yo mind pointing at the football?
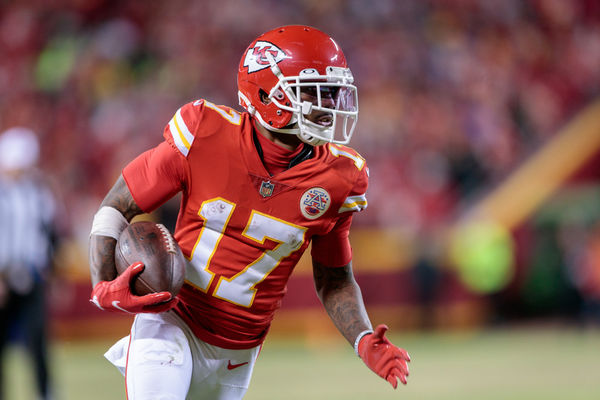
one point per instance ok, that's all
(153, 245)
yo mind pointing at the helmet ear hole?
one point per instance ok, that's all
(264, 97)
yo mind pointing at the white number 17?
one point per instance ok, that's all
(241, 288)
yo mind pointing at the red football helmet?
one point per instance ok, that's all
(283, 63)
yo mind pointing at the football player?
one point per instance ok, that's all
(257, 187)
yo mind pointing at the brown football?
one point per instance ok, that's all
(153, 245)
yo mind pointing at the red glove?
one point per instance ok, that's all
(383, 358)
(116, 295)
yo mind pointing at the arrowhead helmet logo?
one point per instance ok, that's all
(256, 56)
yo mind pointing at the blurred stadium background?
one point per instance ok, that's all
(480, 123)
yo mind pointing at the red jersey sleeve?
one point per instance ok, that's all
(158, 174)
(155, 176)
(356, 199)
(333, 249)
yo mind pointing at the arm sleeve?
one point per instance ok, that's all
(156, 175)
(356, 200)
(333, 249)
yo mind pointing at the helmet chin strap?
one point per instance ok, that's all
(311, 139)
(305, 134)
(292, 129)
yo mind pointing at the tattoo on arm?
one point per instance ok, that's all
(102, 248)
(102, 259)
(342, 299)
(120, 197)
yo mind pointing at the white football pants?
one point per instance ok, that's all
(163, 360)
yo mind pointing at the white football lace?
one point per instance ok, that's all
(169, 241)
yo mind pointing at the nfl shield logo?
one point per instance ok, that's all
(266, 189)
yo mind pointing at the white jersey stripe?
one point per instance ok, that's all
(183, 129)
(359, 162)
(354, 203)
(177, 138)
(182, 136)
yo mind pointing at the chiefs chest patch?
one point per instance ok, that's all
(314, 202)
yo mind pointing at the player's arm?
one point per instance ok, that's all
(110, 292)
(337, 288)
(341, 296)
(147, 182)
(334, 280)
(102, 247)
(338, 291)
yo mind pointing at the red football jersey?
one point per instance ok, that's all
(242, 229)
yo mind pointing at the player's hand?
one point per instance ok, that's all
(383, 358)
(116, 295)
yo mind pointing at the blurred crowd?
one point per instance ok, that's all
(453, 94)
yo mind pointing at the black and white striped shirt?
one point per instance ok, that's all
(27, 210)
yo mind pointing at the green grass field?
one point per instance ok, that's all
(523, 363)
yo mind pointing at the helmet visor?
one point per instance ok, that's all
(327, 96)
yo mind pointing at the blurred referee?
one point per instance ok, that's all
(27, 211)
